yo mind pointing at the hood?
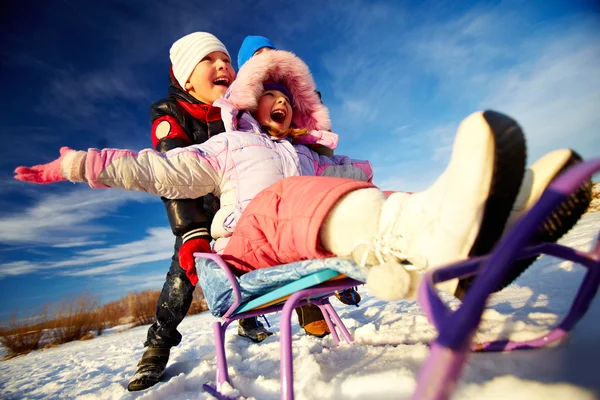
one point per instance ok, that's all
(288, 69)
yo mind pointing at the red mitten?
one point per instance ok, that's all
(186, 256)
(44, 173)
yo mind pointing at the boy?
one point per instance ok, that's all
(251, 46)
(201, 72)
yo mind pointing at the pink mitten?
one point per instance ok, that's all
(44, 173)
(324, 138)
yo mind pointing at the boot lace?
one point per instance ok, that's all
(386, 247)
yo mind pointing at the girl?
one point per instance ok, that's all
(325, 206)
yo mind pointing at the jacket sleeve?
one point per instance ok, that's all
(182, 173)
(189, 218)
(337, 166)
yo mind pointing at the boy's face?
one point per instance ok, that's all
(261, 50)
(274, 110)
(211, 77)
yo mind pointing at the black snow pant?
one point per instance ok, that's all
(173, 303)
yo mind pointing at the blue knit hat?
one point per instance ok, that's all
(250, 45)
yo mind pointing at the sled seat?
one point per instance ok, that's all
(269, 290)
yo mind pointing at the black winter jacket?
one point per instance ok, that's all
(180, 120)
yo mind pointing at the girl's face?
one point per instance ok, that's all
(211, 77)
(274, 110)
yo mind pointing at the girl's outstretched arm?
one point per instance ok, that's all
(185, 173)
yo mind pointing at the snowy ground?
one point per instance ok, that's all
(391, 345)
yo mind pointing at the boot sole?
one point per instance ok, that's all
(561, 221)
(556, 225)
(508, 172)
(142, 384)
(153, 356)
(259, 338)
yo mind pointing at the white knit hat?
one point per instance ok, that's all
(188, 51)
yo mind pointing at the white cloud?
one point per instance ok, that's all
(123, 263)
(137, 282)
(68, 245)
(549, 80)
(62, 218)
(557, 99)
(17, 268)
(545, 75)
(80, 96)
(156, 246)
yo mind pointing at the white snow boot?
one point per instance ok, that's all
(537, 178)
(462, 214)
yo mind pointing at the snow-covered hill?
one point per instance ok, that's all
(391, 345)
(595, 204)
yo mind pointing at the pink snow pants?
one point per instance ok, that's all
(282, 223)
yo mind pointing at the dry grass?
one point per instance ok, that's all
(82, 318)
(23, 336)
(114, 313)
(142, 306)
(75, 320)
(198, 303)
(595, 204)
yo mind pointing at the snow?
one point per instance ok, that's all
(390, 347)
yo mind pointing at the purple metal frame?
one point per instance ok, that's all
(317, 295)
(448, 354)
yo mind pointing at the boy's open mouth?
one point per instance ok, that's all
(278, 116)
(221, 81)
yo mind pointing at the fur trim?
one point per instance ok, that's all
(391, 282)
(288, 69)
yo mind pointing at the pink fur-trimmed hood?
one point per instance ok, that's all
(288, 69)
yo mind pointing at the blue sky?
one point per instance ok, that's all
(398, 77)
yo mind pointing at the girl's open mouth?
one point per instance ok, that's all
(278, 116)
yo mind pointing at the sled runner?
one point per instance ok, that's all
(285, 287)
